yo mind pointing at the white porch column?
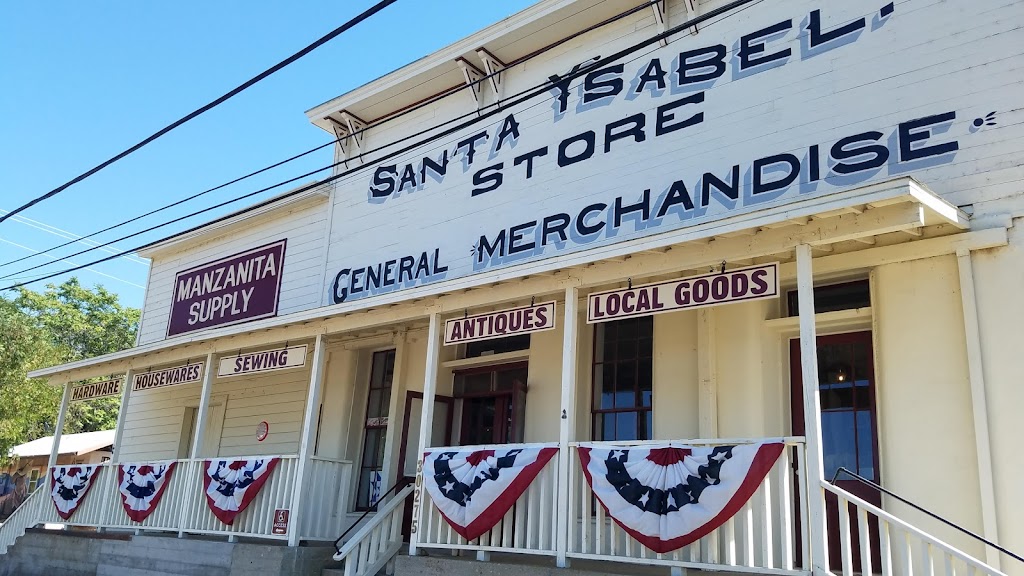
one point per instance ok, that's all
(59, 429)
(567, 424)
(309, 423)
(392, 434)
(121, 414)
(204, 405)
(426, 421)
(815, 471)
(976, 375)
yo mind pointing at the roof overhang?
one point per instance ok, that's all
(900, 207)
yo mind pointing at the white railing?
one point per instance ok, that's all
(183, 508)
(378, 541)
(23, 518)
(529, 527)
(759, 538)
(903, 549)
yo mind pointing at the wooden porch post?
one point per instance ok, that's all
(309, 423)
(567, 424)
(979, 404)
(204, 406)
(59, 429)
(426, 421)
(119, 430)
(814, 470)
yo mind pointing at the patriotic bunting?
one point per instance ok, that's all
(230, 484)
(474, 489)
(69, 486)
(141, 487)
(672, 495)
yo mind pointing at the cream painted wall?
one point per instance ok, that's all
(739, 330)
(926, 435)
(675, 375)
(544, 395)
(999, 277)
(153, 424)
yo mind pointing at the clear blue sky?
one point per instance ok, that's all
(82, 81)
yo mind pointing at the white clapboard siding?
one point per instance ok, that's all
(153, 425)
(303, 227)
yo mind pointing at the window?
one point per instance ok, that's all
(623, 379)
(497, 346)
(382, 372)
(493, 403)
(845, 296)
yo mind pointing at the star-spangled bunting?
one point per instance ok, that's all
(473, 489)
(231, 484)
(672, 495)
(69, 485)
(142, 486)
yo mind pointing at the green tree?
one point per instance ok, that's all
(64, 323)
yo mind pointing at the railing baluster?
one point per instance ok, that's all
(947, 564)
(598, 528)
(730, 542)
(767, 555)
(927, 566)
(864, 530)
(748, 534)
(908, 557)
(885, 548)
(785, 510)
(844, 536)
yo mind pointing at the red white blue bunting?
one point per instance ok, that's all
(69, 486)
(142, 486)
(230, 484)
(473, 489)
(672, 495)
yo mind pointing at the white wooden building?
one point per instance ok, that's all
(869, 156)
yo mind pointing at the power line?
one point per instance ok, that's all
(238, 90)
(478, 116)
(387, 119)
(71, 236)
(85, 267)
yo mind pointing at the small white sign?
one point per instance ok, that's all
(168, 377)
(741, 285)
(499, 324)
(96, 390)
(265, 361)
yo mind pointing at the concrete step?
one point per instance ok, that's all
(441, 563)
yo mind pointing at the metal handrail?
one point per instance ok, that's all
(949, 523)
(366, 513)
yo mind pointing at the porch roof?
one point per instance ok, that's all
(876, 216)
(76, 444)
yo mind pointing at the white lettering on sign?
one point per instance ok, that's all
(754, 283)
(168, 377)
(96, 390)
(499, 324)
(265, 361)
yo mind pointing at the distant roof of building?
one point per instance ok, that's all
(76, 444)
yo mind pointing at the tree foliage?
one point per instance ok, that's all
(64, 323)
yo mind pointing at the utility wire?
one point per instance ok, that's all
(429, 101)
(71, 236)
(238, 90)
(478, 116)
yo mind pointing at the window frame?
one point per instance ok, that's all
(367, 428)
(637, 408)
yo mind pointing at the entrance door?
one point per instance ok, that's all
(493, 404)
(407, 457)
(849, 427)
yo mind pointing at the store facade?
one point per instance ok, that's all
(782, 227)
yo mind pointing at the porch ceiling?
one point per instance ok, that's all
(877, 220)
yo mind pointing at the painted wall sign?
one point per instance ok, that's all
(536, 318)
(265, 361)
(168, 377)
(235, 289)
(96, 390)
(666, 139)
(741, 285)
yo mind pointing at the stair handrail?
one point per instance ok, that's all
(367, 528)
(31, 505)
(372, 508)
(978, 537)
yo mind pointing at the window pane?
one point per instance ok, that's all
(646, 348)
(599, 339)
(373, 407)
(511, 379)
(370, 447)
(629, 329)
(865, 449)
(625, 385)
(497, 346)
(604, 386)
(625, 426)
(647, 419)
(837, 434)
